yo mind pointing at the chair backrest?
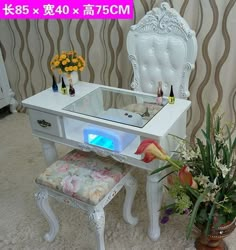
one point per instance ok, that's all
(162, 47)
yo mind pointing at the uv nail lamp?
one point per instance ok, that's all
(110, 139)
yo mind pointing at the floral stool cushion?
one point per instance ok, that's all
(83, 175)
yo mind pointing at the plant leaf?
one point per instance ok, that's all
(194, 212)
(160, 169)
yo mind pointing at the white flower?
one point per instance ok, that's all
(189, 154)
(209, 197)
(220, 138)
(224, 170)
(214, 185)
(203, 180)
(222, 167)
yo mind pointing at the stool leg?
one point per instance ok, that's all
(131, 188)
(97, 221)
(42, 202)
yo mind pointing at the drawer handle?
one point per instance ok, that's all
(44, 124)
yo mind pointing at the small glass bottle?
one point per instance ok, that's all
(159, 93)
(171, 98)
(54, 84)
(71, 90)
(63, 87)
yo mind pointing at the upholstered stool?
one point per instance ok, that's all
(87, 181)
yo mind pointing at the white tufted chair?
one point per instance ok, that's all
(162, 47)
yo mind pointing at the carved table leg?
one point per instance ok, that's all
(42, 202)
(154, 198)
(49, 151)
(97, 220)
(131, 188)
(13, 102)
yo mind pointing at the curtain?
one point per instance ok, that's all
(29, 45)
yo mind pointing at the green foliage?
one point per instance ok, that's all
(211, 163)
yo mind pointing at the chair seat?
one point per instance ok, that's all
(83, 175)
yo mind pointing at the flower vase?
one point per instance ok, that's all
(214, 241)
(71, 78)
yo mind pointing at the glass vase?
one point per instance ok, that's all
(70, 78)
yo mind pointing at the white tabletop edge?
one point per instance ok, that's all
(155, 128)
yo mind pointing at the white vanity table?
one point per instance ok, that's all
(57, 118)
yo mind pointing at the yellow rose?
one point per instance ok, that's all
(75, 68)
(70, 68)
(68, 60)
(81, 59)
(63, 56)
(56, 63)
(75, 60)
(64, 62)
(66, 69)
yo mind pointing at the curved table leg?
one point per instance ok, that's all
(49, 151)
(131, 188)
(154, 191)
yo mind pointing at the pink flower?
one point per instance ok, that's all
(186, 177)
(152, 150)
(72, 156)
(70, 184)
(100, 174)
(117, 177)
(64, 168)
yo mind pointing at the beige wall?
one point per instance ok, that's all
(29, 45)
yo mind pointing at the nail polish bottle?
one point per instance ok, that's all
(171, 98)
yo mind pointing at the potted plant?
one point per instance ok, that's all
(202, 181)
(68, 63)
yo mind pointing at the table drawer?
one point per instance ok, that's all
(45, 122)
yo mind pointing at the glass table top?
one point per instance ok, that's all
(118, 105)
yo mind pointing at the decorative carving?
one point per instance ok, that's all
(183, 89)
(112, 193)
(102, 152)
(164, 23)
(163, 20)
(120, 158)
(135, 82)
(42, 194)
(97, 219)
(68, 200)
